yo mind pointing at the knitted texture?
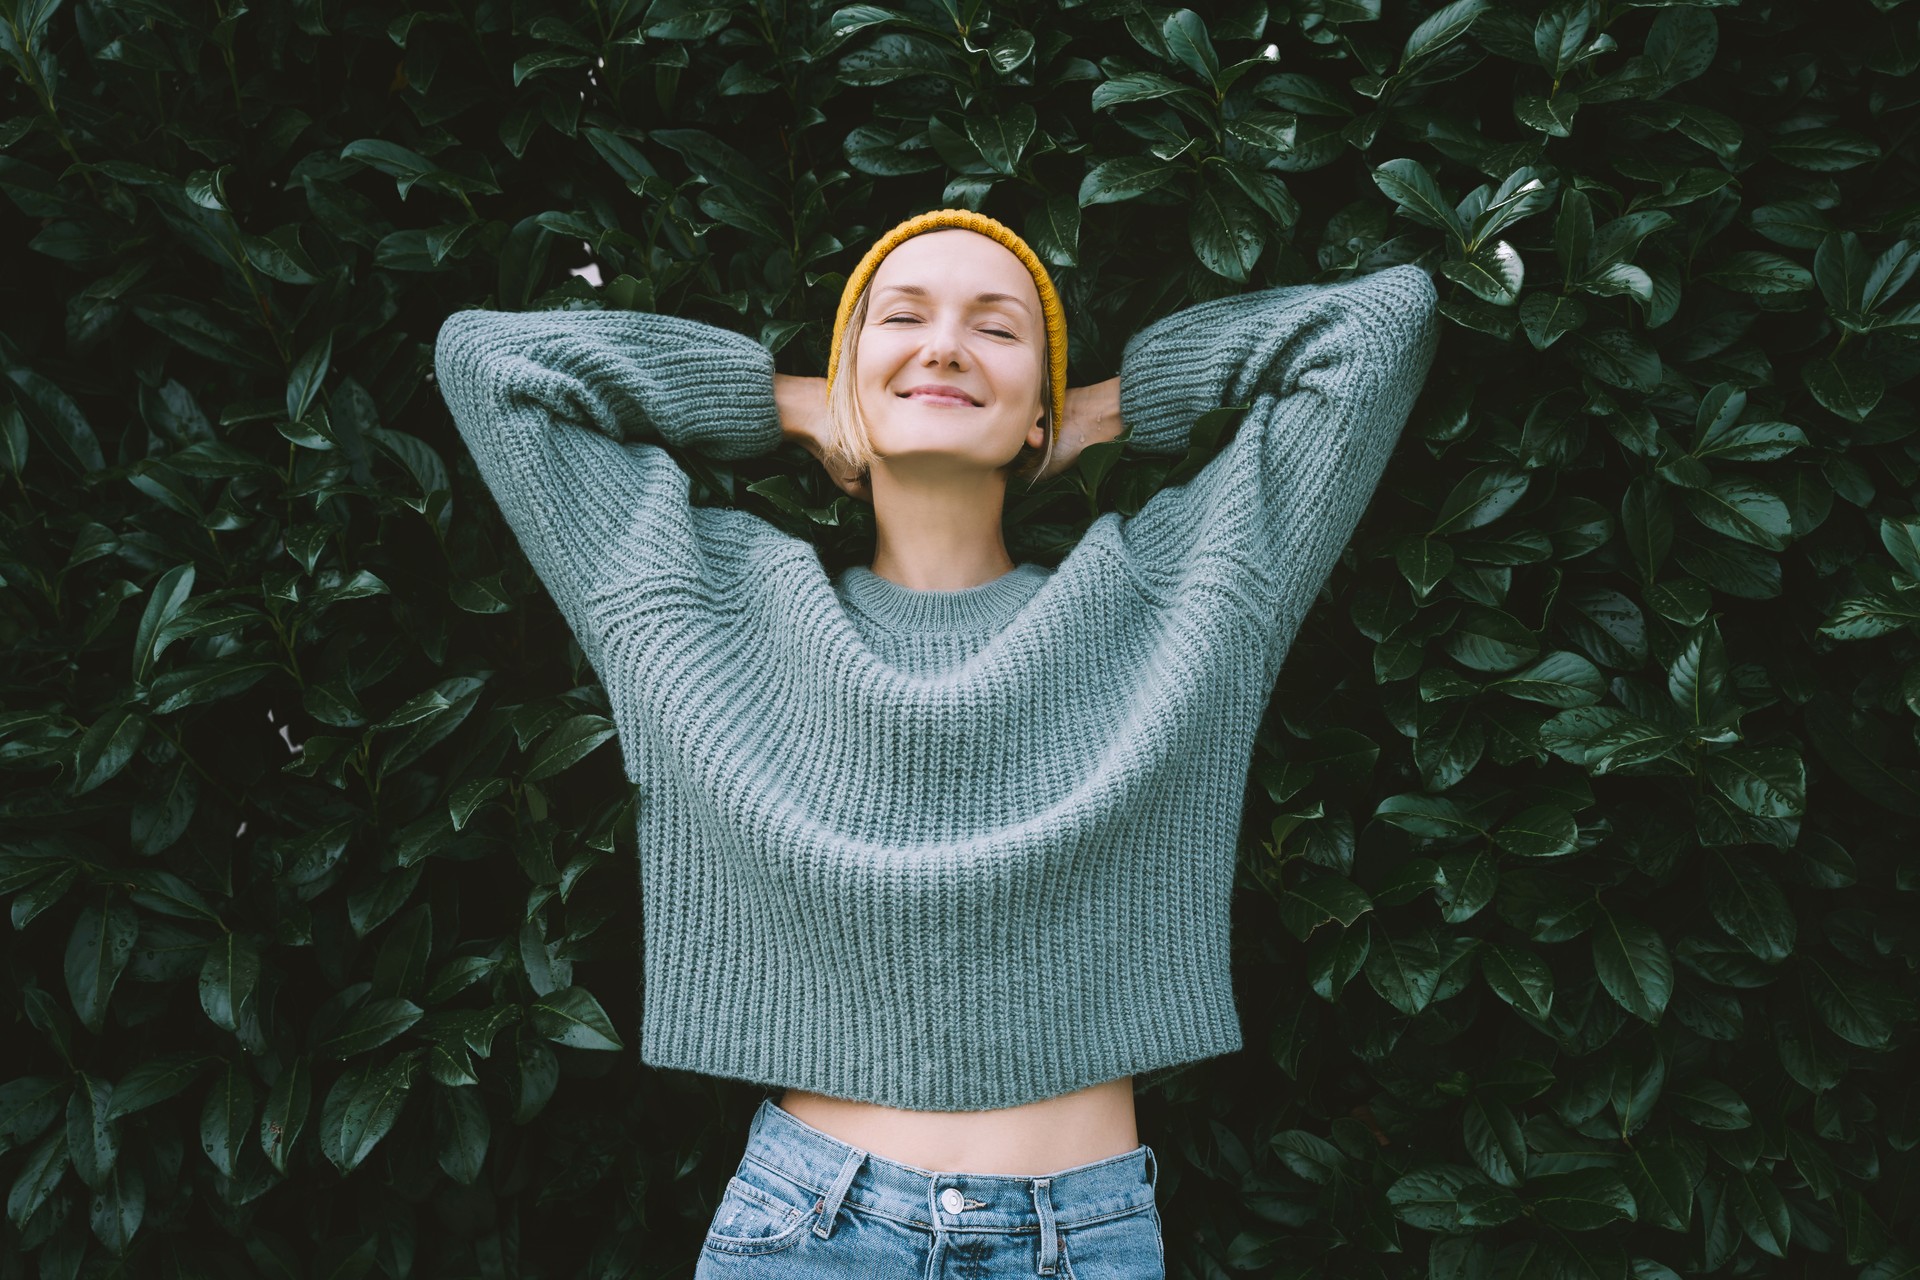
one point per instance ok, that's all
(939, 850)
(1051, 308)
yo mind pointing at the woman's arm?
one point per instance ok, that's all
(1329, 374)
(1227, 350)
(561, 410)
(1092, 417)
(802, 403)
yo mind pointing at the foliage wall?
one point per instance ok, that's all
(1579, 913)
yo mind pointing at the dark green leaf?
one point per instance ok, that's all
(1761, 1210)
(117, 1207)
(1492, 1135)
(1709, 1104)
(29, 1105)
(93, 1139)
(1425, 815)
(97, 950)
(573, 1017)
(1408, 184)
(1768, 782)
(1744, 509)
(1662, 1182)
(1633, 964)
(360, 1109)
(1404, 971)
(1186, 37)
(39, 1174)
(1539, 831)
(1860, 1009)
(1489, 640)
(1749, 905)
(228, 977)
(533, 1073)
(285, 1114)
(371, 1025)
(1428, 1198)
(1480, 497)
(227, 1116)
(1583, 1200)
(1123, 179)
(1322, 899)
(1440, 29)
(462, 1131)
(1559, 679)
(1225, 230)
(1519, 977)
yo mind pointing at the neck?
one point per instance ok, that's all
(939, 532)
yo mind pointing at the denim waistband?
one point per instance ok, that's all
(936, 1200)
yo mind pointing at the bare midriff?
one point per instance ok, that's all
(1030, 1140)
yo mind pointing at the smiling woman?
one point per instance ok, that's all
(941, 386)
(941, 849)
(992, 340)
(949, 293)
(942, 394)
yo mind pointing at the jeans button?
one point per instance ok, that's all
(951, 1200)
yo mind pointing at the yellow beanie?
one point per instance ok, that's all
(933, 220)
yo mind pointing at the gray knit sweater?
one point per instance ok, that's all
(941, 850)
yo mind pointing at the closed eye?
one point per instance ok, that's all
(1002, 332)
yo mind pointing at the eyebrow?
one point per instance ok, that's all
(919, 291)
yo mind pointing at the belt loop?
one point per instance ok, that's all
(1049, 1237)
(1153, 1169)
(830, 1205)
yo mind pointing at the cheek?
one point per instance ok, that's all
(877, 361)
(1017, 373)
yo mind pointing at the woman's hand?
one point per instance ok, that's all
(803, 416)
(1093, 415)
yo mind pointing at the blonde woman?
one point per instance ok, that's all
(938, 849)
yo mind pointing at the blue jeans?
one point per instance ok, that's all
(804, 1204)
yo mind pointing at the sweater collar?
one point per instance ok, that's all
(983, 607)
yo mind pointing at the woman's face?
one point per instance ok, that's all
(957, 309)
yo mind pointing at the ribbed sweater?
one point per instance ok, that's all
(939, 850)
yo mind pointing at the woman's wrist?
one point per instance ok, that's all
(796, 397)
(1110, 408)
(1099, 411)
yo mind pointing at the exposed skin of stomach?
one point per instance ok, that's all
(1031, 1140)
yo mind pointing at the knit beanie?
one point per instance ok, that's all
(933, 220)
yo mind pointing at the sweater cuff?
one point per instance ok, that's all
(1162, 384)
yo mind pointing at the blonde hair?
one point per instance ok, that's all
(847, 433)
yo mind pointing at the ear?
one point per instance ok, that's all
(1037, 433)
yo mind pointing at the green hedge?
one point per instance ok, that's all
(1577, 929)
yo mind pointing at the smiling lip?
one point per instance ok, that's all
(942, 395)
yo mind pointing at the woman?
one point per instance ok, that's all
(940, 847)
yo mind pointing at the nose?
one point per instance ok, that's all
(943, 345)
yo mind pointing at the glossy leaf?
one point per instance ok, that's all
(284, 1117)
(574, 1018)
(228, 977)
(1633, 964)
(226, 1117)
(361, 1108)
(97, 951)
(463, 1132)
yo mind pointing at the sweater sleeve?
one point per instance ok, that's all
(1329, 374)
(564, 413)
